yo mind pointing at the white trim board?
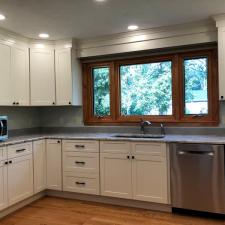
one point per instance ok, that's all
(156, 38)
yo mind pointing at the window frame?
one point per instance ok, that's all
(178, 116)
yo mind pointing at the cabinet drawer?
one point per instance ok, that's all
(81, 162)
(19, 150)
(149, 149)
(80, 183)
(80, 146)
(3, 154)
(115, 146)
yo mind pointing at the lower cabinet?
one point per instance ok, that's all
(3, 185)
(54, 164)
(20, 178)
(81, 166)
(116, 179)
(140, 173)
(39, 154)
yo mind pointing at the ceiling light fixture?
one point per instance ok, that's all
(2, 17)
(43, 35)
(132, 27)
(100, 0)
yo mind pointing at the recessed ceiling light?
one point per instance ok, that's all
(2, 17)
(43, 35)
(100, 0)
(132, 27)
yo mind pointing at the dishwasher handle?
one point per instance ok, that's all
(206, 153)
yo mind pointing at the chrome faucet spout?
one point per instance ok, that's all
(143, 124)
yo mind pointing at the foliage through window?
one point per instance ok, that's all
(101, 91)
(179, 88)
(146, 89)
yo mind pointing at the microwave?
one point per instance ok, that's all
(3, 128)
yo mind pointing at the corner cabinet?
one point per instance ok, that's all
(42, 77)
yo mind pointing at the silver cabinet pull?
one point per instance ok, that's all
(20, 150)
(196, 153)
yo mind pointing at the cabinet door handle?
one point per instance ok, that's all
(21, 150)
(128, 157)
(80, 146)
(80, 183)
(79, 162)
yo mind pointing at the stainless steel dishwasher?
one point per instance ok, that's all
(198, 177)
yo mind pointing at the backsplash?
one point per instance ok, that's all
(67, 116)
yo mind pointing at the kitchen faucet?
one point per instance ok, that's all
(144, 123)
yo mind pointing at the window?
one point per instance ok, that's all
(178, 88)
(146, 89)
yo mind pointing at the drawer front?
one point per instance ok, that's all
(149, 148)
(81, 162)
(19, 150)
(80, 184)
(80, 146)
(115, 146)
(3, 154)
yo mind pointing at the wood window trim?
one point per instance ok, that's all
(178, 117)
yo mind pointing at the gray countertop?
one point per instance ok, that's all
(207, 139)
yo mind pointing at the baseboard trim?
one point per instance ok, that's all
(21, 204)
(111, 201)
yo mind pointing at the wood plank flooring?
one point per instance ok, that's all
(56, 211)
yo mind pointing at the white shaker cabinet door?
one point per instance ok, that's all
(3, 186)
(63, 77)
(20, 76)
(5, 76)
(39, 152)
(42, 77)
(20, 178)
(54, 164)
(116, 175)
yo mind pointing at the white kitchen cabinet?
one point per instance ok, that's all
(54, 164)
(5, 75)
(3, 179)
(68, 77)
(139, 172)
(20, 76)
(42, 77)
(20, 178)
(39, 153)
(63, 69)
(149, 172)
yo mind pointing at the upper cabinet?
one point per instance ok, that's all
(5, 75)
(42, 77)
(220, 23)
(20, 75)
(68, 77)
(63, 69)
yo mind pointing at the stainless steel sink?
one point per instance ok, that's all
(139, 135)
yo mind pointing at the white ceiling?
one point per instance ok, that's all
(87, 18)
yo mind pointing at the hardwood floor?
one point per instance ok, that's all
(56, 211)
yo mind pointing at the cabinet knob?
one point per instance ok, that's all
(10, 162)
(128, 157)
(17, 103)
(53, 103)
(6, 163)
(133, 157)
(222, 97)
(70, 103)
(58, 142)
(14, 103)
